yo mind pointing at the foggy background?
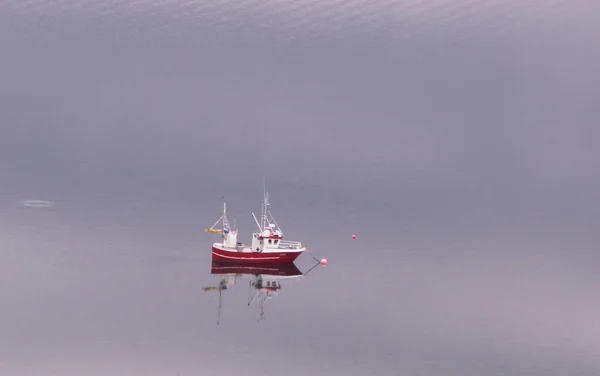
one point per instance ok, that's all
(456, 139)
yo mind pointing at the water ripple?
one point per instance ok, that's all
(311, 19)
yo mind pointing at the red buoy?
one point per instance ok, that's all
(323, 262)
(353, 236)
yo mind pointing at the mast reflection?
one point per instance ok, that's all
(264, 281)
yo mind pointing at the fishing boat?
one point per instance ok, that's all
(267, 246)
(264, 280)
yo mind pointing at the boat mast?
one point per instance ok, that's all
(225, 221)
(264, 206)
(265, 218)
(264, 212)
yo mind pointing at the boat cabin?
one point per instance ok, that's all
(269, 238)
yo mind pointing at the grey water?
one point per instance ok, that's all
(456, 139)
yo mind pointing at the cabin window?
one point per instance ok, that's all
(276, 241)
(269, 284)
(269, 241)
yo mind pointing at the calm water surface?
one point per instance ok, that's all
(456, 139)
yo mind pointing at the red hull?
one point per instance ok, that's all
(287, 257)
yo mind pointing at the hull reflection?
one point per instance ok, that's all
(288, 270)
(264, 281)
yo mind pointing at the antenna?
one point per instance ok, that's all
(264, 205)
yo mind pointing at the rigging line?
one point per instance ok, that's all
(317, 264)
(213, 226)
(310, 254)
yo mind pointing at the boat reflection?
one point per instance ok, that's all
(264, 281)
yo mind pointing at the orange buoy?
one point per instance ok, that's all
(323, 262)
(353, 236)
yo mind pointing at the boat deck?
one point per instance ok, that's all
(282, 246)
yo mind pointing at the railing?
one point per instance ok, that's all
(288, 244)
